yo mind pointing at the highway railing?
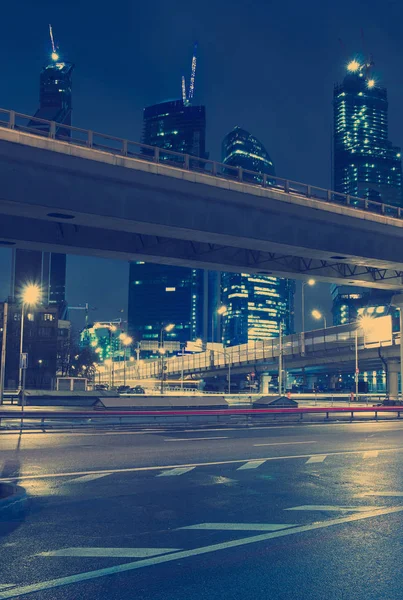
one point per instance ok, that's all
(339, 339)
(198, 416)
(135, 150)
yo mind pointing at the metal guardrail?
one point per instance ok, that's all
(127, 148)
(133, 417)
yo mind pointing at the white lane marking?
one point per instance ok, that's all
(326, 507)
(177, 471)
(382, 494)
(148, 562)
(252, 464)
(223, 437)
(370, 454)
(240, 526)
(286, 443)
(86, 478)
(6, 586)
(203, 464)
(318, 458)
(110, 552)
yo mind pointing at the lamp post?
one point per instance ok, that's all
(30, 297)
(304, 284)
(161, 349)
(126, 340)
(318, 315)
(362, 324)
(220, 312)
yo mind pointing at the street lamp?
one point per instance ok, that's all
(161, 350)
(310, 282)
(220, 312)
(126, 341)
(30, 296)
(318, 315)
(363, 324)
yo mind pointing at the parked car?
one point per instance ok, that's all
(101, 387)
(138, 389)
(123, 389)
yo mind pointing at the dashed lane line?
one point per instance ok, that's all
(174, 472)
(110, 552)
(175, 556)
(222, 437)
(371, 454)
(318, 458)
(286, 443)
(252, 464)
(240, 526)
(202, 464)
(86, 478)
(381, 494)
(326, 507)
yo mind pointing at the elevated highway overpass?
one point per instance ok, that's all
(96, 194)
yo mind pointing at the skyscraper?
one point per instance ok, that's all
(48, 270)
(160, 294)
(366, 165)
(256, 304)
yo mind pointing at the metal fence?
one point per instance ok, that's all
(122, 147)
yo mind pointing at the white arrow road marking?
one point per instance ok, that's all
(336, 508)
(318, 458)
(110, 552)
(385, 494)
(370, 454)
(240, 526)
(174, 556)
(252, 464)
(173, 472)
(87, 478)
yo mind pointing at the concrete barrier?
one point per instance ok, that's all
(145, 402)
(64, 398)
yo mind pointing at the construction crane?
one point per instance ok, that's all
(54, 55)
(187, 96)
(193, 74)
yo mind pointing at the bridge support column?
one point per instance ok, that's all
(311, 381)
(393, 379)
(397, 300)
(265, 379)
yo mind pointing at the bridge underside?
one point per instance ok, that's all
(63, 198)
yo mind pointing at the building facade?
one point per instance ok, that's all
(40, 341)
(48, 270)
(256, 304)
(161, 295)
(366, 165)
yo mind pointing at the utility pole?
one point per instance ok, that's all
(3, 352)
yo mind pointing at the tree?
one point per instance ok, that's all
(83, 363)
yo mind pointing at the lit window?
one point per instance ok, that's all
(30, 317)
(170, 289)
(48, 317)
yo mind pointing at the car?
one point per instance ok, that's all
(138, 389)
(101, 387)
(123, 389)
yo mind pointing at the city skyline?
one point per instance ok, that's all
(245, 108)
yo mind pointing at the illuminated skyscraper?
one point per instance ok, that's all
(160, 294)
(48, 270)
(366, 165)
(256, 304)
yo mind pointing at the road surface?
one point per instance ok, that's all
(311, 511)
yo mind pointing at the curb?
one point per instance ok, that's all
(13, 502)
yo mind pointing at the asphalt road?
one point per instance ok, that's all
(287, 512)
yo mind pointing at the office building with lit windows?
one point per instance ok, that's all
(256, 304)
(366, 165)
(161, 295)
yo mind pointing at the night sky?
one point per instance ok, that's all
(269, 67)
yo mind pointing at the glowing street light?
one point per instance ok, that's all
(169, 327)
(222, 310)
(371, 83)
(54, 56)
(30, 296)
(363, 324)
(309, 282)
(161, 350)
(318, 315)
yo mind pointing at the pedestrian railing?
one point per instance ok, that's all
(135, 150)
